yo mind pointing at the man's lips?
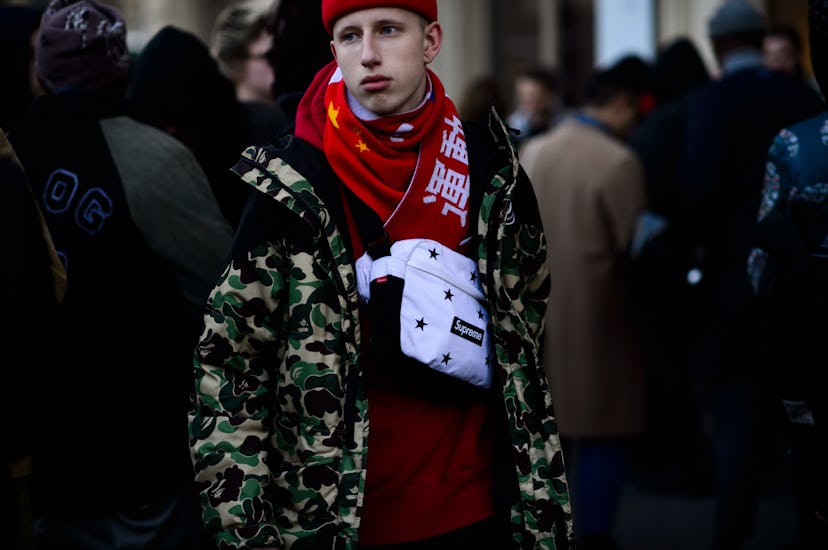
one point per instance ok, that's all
(375, 83)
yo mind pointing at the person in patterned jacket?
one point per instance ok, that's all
(787, 268)
(294, 383)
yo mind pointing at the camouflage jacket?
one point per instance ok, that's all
(280, 422)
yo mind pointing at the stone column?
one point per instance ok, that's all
(548, 46)
(467, 42)
(146, 17)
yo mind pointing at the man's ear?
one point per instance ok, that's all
(432, 41)
(333, 50)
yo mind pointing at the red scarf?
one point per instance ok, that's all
(412, 168)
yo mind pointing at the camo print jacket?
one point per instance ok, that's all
(280, 422)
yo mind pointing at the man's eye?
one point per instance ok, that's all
(388, 30)
(348, 37)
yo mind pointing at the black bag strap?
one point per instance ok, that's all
(370, 226)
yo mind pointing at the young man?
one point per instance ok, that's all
(295, 380)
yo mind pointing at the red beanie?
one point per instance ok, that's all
(334, 9)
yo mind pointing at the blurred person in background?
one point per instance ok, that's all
(730, 126)
(788, 269)
(782, 50)
(301, 47)
(479, 96)
(241, 42)
(675, 453)
(178, 88)
(590, 190)
(536, 102)
(138, 230)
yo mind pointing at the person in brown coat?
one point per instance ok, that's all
(590, 189)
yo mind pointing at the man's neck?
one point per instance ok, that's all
(362, 112)
(600, 117)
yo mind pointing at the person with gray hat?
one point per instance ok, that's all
(734, 18)
(731, 123)
(141, 238)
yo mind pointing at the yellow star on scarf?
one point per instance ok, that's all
(362, 146)
(332, 114)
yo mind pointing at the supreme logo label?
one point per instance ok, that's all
(467, 331)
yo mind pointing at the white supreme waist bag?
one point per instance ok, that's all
(443, 318)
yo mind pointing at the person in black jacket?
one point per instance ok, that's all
(241, 42)
(300, 48)
(178, 88)
(730, 126)
(135, 224)
(788, 268)
(675, 453)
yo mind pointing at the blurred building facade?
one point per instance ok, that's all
(503, 37)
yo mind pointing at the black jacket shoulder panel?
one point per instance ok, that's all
(265, 219)
(486, 158)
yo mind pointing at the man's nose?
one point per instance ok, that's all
(370, 53)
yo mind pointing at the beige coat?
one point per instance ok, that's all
(590, 190)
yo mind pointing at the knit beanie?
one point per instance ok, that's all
(81, 44)
(735, 17)
(334, 9)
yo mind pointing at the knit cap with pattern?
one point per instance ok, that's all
(81, 44)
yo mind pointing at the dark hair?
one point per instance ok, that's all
(301, 45)
(548, 78)
(678, 68)
(479, 95)
(236, 27)
(630, 74)
(751, 39)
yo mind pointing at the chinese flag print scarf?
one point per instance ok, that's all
(411, 168)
